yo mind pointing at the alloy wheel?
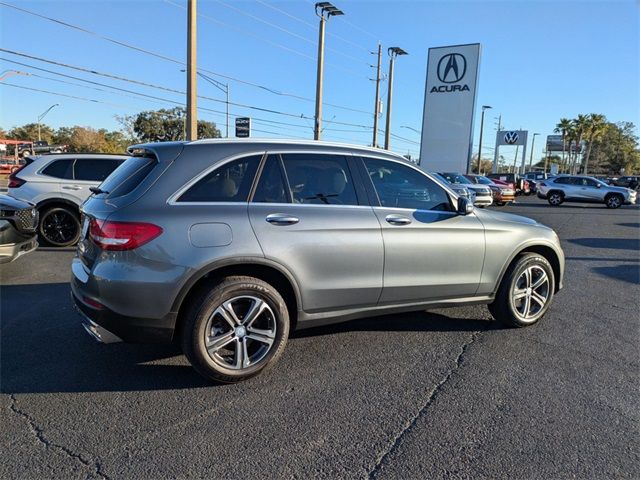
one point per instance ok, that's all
(531, 292)
(613, 201)
(555, 199)
(59, 227)
(240, 332)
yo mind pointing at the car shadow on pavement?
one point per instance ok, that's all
(630, 224)
(612, 243)
(626, 273)
(405, 322)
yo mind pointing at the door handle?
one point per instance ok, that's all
(397, 220)
(71, 187)
(281, 219)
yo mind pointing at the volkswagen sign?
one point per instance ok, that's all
(511, 138)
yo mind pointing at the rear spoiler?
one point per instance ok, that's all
(162, 151)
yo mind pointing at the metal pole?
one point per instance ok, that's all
(494, 167)
(480, 142)
(192, 113)
(376, 107)
(227, 110)
(533, 142)
(387, 131)
(318, 118)
(39, 129)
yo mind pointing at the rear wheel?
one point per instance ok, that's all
(59, 226)
(555, 198)
(236, 329)
(614, 200)
(526, 291)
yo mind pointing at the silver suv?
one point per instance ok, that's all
(226, 246)
(578, 188)
(57, 185)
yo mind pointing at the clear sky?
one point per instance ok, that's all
(541, 60)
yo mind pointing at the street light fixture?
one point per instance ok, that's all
(41, 116)
(324, 10)
(223, 87)
(10, 73)
(533, 142)
(484, 107)
(393, 53)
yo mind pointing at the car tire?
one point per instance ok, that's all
(219, 338)
(500, 204)
(59, 227)
(526, 291)
(555, 198)
(614, 200)
(26, 153)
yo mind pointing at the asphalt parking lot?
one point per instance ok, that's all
(444, 394)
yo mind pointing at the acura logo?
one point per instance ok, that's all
(510, 138)
(452, 67)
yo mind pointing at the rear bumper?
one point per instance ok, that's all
(483, 201)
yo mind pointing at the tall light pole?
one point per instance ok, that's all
(494, 167)
(324, 10)
(393, 53)
(376, 107)
(484, 107)
(42, 115)
(192, 81)
(224, 87)
(533, 142)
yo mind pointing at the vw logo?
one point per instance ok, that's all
(452, 67)
(510, 138)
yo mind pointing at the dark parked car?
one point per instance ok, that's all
(628, 181)
(18, 223)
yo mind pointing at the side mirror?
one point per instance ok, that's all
(465, 206)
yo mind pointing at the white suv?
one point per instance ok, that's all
(58, 185)
(578, 188)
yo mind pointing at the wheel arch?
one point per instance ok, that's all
(271, 272)
(541, 249)
(58, 202)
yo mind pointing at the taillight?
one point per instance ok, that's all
(122, 235)
(542, 184)
(15, 182)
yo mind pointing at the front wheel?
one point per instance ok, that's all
(236, 329)
(555, 198)
(526, 291)
(613, 201)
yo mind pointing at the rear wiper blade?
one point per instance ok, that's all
(97, 190)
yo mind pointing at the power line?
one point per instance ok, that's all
(311, 25)
(178, 62)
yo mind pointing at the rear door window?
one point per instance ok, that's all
(272, 187)
(229, 183)
(60, 169)
(94, 169)
(319, 179)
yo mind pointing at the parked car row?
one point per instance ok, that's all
(18, 223)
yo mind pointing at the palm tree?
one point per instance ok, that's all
(571, 137)
(595, 129)
(562, 127)
(580, 125)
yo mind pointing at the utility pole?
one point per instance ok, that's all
(393, 53)
(494, 167)
(484, 107)
(192, 81)
(322, 8)
(376, 107)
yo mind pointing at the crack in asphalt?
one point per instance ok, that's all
(38, 432)
(409, 425)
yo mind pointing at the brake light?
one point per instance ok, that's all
(15, 182)
(122, 235)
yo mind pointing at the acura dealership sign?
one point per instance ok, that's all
(449, 103)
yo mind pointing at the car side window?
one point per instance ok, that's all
(587, 182)
(271, 186)
(319, 179)
(229, 183)
(93, 169)
(60, 169)
(564, 181)
(399, 186)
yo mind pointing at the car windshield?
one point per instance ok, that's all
(484, 180)
(457, 178)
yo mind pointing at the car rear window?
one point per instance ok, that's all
(59, 169)
(128, 176)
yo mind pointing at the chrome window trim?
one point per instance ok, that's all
(413, 210)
